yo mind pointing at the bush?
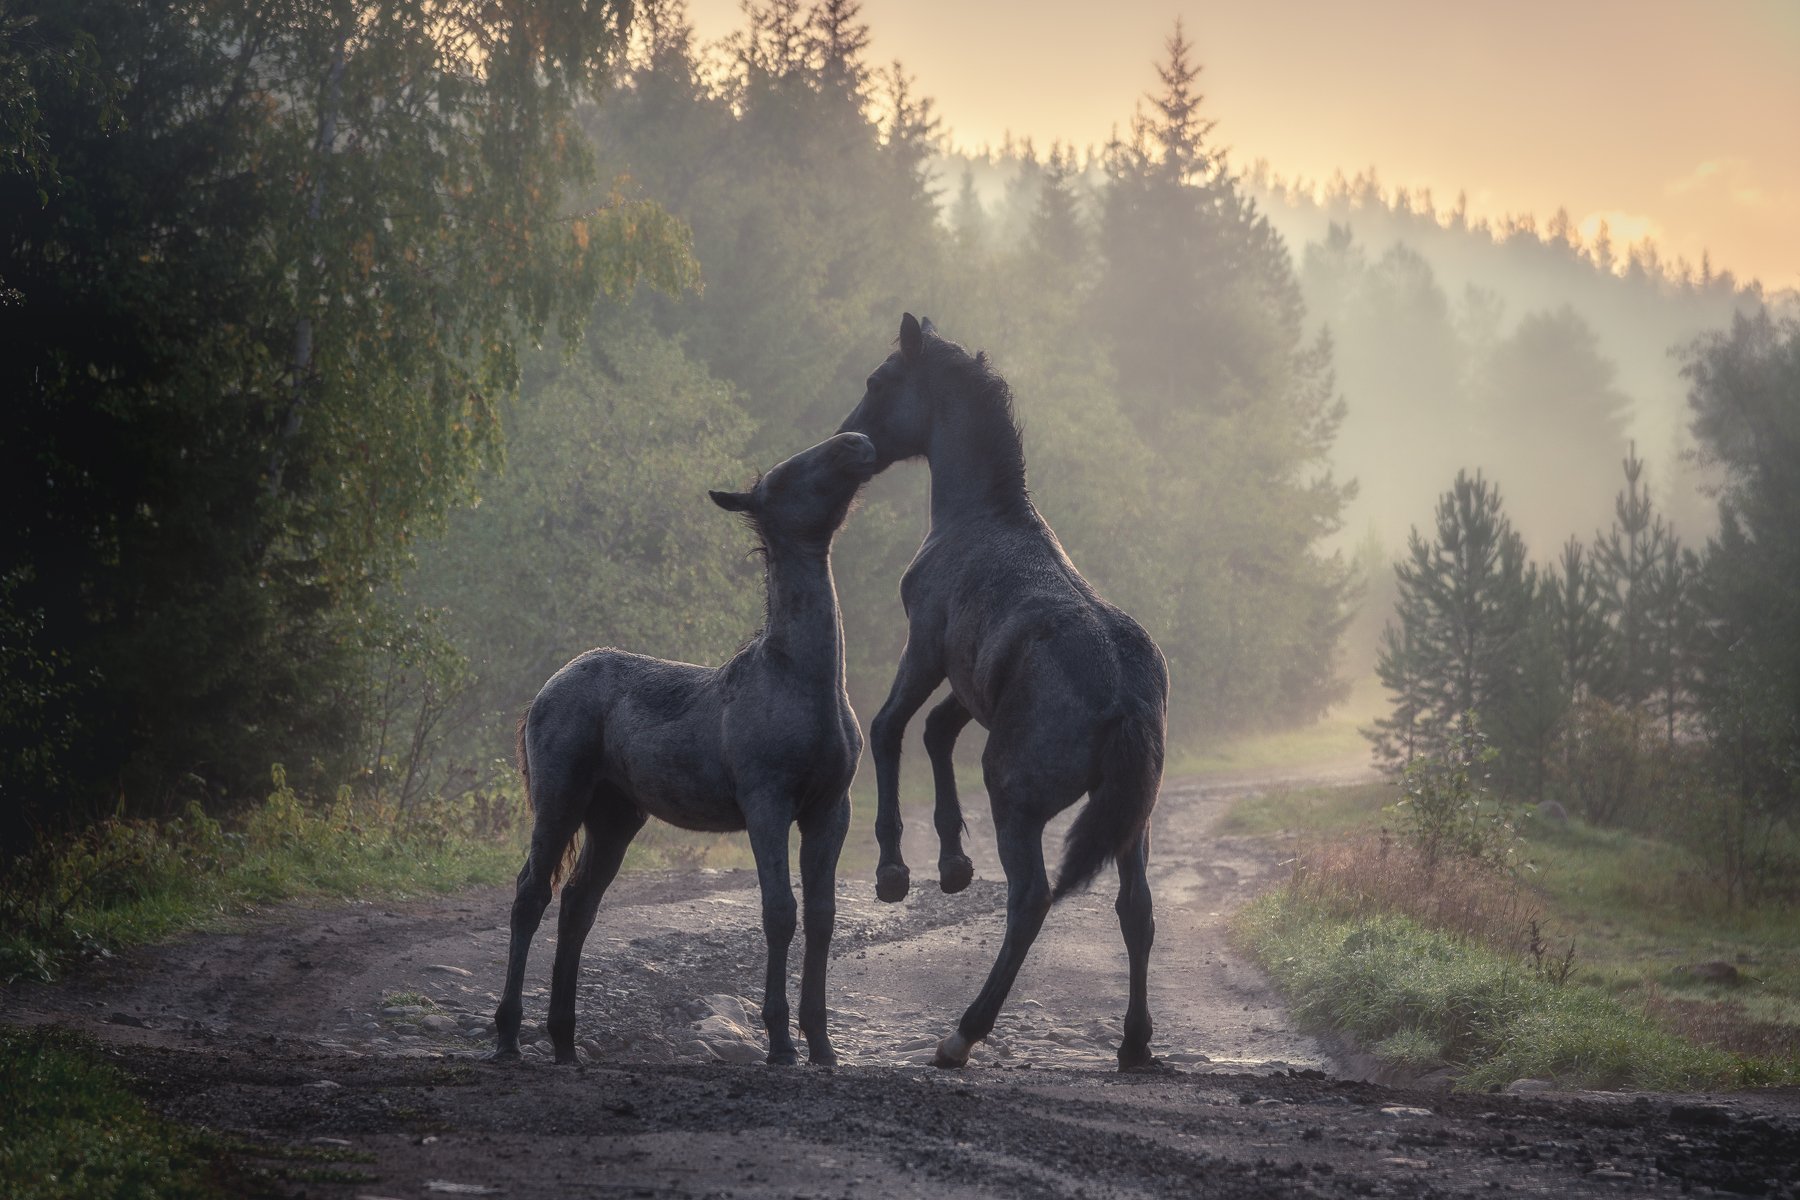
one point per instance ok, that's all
(1610, 764)
(1448, 811)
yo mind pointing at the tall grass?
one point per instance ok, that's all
(124, 881)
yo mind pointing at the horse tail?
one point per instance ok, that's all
(1118, 809)
(565, 862)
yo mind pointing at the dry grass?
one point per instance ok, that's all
(1724, 1025)
(1374, 874)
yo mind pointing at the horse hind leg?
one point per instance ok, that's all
(559, 806)
(1137, 922)
(768, 818)
(1021, 844)
(611, 824)
(942, 726)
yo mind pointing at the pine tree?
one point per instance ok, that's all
(1627, 558)
(1463, 609)
(1576, 610)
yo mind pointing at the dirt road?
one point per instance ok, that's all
(305, 1031)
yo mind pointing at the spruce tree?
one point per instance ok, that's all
(1464, 605)
(1627, 558)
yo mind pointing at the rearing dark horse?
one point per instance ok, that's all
(1073, 693)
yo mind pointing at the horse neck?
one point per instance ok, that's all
(803, 621)
(977, 467)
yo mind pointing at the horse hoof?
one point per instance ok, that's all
(954, 874)
(891, 884)
(953, 1052)
(506, 1054)
(1141, 1062)
(783, 1058)
(823, 1058)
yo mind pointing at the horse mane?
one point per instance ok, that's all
(988, 399)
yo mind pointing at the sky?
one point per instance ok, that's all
(1674, 118)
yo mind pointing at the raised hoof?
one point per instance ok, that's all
(954, 874)
(891, 884)
(953, 1052)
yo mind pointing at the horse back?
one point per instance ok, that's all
(653, 729)
(1022, 631)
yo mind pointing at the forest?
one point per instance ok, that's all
(367, 363)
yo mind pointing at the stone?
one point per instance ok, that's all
(1717, 971)
(1405, 1110)
(732, 1008)
(438, 1023)
(447, 969)
(737, 1052)
(1529, 1087)
(1553, 812)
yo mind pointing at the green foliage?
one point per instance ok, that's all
(1446, 809)
(1202, 324)
(1746, 402)
(73, 1129)
(123, 880)
(1639, 908)
(1464, 602)
(598, 533)
(272, 269)
(1410, 991)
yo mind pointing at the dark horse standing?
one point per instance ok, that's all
(1073, 693)
(760, 743)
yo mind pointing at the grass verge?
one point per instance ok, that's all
(72, 1128)
(1420, 998)
(1641, 977)
(122, 882)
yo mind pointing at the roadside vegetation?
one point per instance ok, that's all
(1584, 956)
(74, 1129)
(127, 881)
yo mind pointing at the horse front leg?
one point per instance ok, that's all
(942, 726)
(768, 819)
(821, 840)
(918, 677)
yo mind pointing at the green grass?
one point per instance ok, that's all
(1640, 912)
(1332, 741)
(71, 1129)
(1312, 811)
(1423, 997)
(122, 883)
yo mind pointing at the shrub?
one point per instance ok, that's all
(1448, 811)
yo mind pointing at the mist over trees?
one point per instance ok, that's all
(372, 366)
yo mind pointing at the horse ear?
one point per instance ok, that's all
(731, 501)
(925, 326)
(912, 338)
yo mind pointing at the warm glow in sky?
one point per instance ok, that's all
(1677, 118)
